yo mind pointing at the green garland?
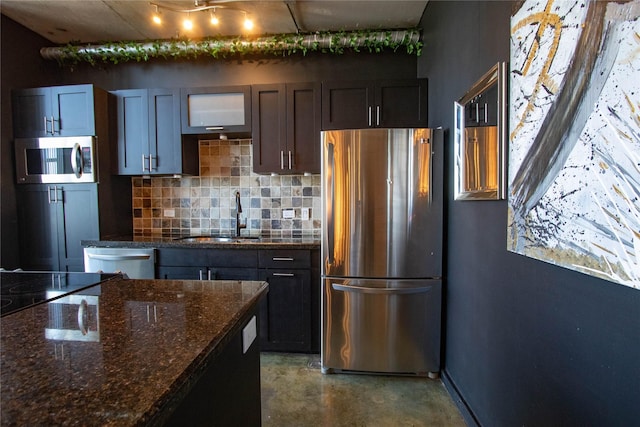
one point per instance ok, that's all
(372, 41)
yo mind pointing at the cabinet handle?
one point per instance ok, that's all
(55, 194)
(201, 276)
(369, 116)
(282, 259)
(46, 126)
(281, 159)
(377, 115)
(144, 166)
(289, 160)
(53, 126)
(151, 162)
(209, 275)
(155, 314)
(477, 113)
(214, 128)
(486, 113)
(284, 274)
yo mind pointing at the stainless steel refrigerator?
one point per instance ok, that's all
(382, 250)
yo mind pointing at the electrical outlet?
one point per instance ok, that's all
(249, 334)
(288, 213)
(304, 213)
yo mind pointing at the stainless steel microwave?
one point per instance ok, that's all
(56, 160)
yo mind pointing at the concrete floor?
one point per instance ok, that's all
(296, 393)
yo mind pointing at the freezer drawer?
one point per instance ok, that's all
(382, 326)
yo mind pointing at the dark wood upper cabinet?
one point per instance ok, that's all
(381, 103)
(55, 111)
(216, 110)
(149, 139)
(286, 128)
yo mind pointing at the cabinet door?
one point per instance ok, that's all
(303, 127)
(77, 220)
(401, 103)
(73, 110)
(38, 227)
(223, 273)
(347, 105)
(133, 130)
(32, 113)
(269, 127)
(214, 110)
(164, 131)
(285, 313)
(181, 273)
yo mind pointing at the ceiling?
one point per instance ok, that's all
(92, 21)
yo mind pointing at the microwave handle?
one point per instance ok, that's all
(77, 163)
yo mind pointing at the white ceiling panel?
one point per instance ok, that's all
(93, 21)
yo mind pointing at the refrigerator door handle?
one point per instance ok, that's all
(429, 147)
(330, 201)
(384, 291)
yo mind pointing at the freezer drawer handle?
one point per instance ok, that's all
(386, 291)
(282, 259)
(284, 274)
(118, 257)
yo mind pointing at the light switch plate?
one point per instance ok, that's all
(304, 212)
(288, 213)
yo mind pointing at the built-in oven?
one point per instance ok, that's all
(56, 160)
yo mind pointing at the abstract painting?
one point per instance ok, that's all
(574, 136)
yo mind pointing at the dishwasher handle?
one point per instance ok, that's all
(102, 257)
(382, 291)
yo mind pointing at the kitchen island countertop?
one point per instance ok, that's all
(161, 241)
(154, 340)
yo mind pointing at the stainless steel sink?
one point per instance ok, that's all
(220, 239)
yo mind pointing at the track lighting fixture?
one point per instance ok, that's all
(213, 18)
(188, 23)
(200, 6)
(248, 23)
(156, 17)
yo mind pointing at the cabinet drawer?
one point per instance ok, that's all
(284, 258)
(198, 257)
(206, 273)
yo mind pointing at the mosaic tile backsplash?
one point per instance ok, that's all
(205, 204)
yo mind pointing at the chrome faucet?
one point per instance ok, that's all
(239, 225)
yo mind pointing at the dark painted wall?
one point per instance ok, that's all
(527, 343)
(20, 66)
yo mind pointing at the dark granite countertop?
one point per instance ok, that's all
(145, 341)
(159, 241)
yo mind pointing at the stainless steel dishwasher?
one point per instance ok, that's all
(135, 263)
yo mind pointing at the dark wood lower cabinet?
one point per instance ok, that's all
(227, 392)
(285, 313)
(53, 221)
(289, 313)
(207, 264)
